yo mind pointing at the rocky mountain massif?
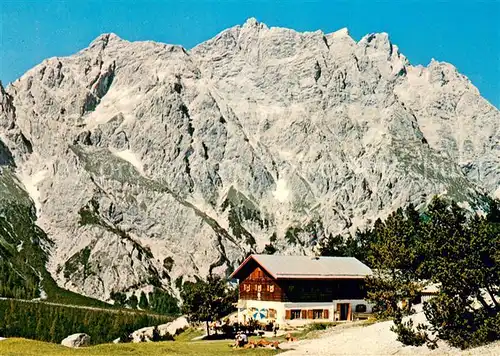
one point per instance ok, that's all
(145, 163)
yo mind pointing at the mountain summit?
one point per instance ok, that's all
(147, 164)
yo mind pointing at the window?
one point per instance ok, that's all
(271, 288)
(295, 314)
(361, 308)
(259, 288)
(318, 314)
(272, 313)
(246, 287)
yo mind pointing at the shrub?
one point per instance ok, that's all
(407, 335)
(320, 326)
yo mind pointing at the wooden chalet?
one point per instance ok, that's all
(301, 289)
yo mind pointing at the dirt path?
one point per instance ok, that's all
(376, 340)
(109, 310)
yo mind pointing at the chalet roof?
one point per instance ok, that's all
(305, 267)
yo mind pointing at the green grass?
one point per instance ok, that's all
(59, 295)
(189, 334)
(24, 347)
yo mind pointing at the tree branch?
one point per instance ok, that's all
(490, 292)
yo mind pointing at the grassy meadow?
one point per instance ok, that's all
(25, 347)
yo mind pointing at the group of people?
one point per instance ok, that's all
(241, 339)
(274, 327)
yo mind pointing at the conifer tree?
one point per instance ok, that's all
(459, 254)
(132, 301)
(143, 301)
(53, 330)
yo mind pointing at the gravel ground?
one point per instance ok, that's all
(376, 339)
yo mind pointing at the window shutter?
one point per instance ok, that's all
(349, 313)
(310, 314)
(304, 314)
(288, 314)
(325, 314)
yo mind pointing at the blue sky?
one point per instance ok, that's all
(465, 33)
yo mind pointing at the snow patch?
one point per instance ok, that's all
(30, 183)
(281, 193)
(497, 193)
(43, 294)
(122, 101)
(131, 158)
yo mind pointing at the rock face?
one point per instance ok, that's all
(76, 340)
(175, 326)
(147, 162)
(145, 334)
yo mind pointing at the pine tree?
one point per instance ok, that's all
(132, 301)
(41, 329)
(459, 254)
(53, 330)
(394, 257)
(143, 301)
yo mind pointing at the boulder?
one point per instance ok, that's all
(76, 340)
(173, 327)
(145, 334)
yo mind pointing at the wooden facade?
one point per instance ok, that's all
(298, 290)
(312, 314)
(257, 284)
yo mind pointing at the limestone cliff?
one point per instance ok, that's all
(147, 162)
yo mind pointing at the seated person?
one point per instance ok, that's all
(242, 339)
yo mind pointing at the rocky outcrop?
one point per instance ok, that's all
(140, 153)
(172, 328)
(76, 340)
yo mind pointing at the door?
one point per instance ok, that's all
(344, 311)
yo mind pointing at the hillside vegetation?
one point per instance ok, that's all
(444, 245)
(53, 322)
